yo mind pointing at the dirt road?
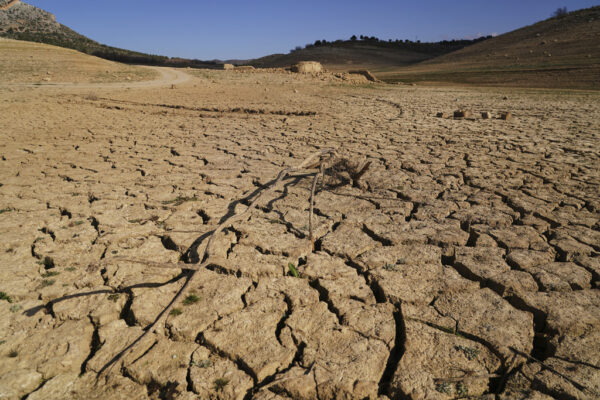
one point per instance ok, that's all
(168, 77)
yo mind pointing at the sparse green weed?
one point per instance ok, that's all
(201, 364)
(293, 270)
(191, 299)
(4, 296)
(175, 312)
(15, 308)
(50, 274)
(48, 282)
(470, 352)
(220, 384)
(179, 200)
(444, 387)
(390, 267)
(113, 297)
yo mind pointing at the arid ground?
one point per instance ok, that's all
(467, 264)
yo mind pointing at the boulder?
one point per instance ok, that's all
(307, 67)
(228, 67)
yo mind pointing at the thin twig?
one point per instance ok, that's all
(314, 160)
(310, 214)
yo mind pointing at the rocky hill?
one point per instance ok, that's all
(22, 21)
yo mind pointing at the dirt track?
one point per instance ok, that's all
(168, 76)
(474, 247)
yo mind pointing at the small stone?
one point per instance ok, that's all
(462, 114)
(506, 116)
(486, 115)
(442, 115)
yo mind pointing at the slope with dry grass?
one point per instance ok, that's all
(558, 52)
(28, 62)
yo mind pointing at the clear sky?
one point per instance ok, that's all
(242, 29)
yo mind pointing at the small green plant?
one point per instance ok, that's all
(77, 223)
(462, 389)
(191, 299)
(4, 296)
(5, 210)
(50, 274)
(48, 282)
(201, 364)
(179, 200)
(15, 308)
(113, 297)
(13, 354)
(2, 342)
(175, 312)
(390, 267)
(444, 387)
(37, 239)
(470, 352)
(135, 221)
(220, 384)
(293, 270)
(70, 269)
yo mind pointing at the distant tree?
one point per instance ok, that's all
(560, 12)
(317, 42)
(362, 37)
(353, 38)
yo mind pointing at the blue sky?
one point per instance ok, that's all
(242, 29)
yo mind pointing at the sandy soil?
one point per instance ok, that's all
(473, 248)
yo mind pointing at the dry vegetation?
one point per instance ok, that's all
(463, 262)
(40, 63)
(556, 53)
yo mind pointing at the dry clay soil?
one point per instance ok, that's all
(471, 251)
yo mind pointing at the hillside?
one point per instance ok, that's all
(21, 21)
(369, 53)
(29, 62)
(557, 52)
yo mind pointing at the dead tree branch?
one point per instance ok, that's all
(315, 160)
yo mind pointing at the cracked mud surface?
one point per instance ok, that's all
(473, 249)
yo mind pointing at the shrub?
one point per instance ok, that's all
(560, 12)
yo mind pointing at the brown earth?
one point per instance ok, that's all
(473, 248)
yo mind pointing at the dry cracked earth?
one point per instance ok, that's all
(467, 266)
